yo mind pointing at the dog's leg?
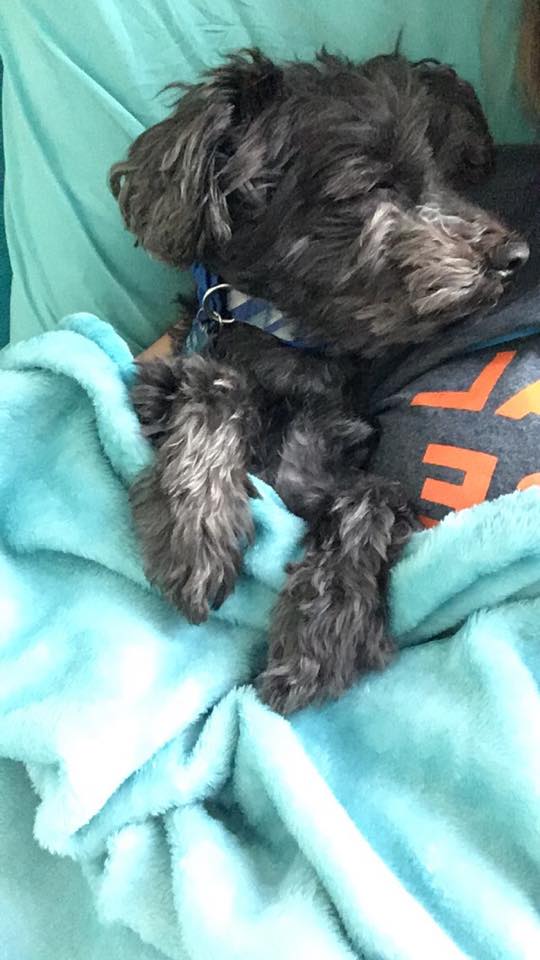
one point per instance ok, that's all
(329, 625)
(191, 508)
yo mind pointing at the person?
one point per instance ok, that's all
(529, 55)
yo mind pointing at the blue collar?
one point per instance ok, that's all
(219, 303)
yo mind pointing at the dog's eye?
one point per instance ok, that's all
(384, 185)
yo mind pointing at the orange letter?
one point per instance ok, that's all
(531, 480)
(476, 397)
(477, 467)
(522, 403)
(427, 521)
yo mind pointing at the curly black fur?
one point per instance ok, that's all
(329, 190)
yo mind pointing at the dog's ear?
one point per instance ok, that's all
(173, 188)
(458, 130)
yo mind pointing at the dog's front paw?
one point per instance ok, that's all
(326, 632)
(190, 553)
(330, 622)
(191, 509)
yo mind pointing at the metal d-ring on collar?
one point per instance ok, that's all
(210, 311)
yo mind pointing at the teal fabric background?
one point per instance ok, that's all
(81, 81)
(5, 267)
(81, 78)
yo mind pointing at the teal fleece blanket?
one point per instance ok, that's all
(402, 821)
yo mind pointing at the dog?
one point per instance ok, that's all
(328, 190)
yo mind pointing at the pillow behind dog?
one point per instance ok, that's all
(81, 81)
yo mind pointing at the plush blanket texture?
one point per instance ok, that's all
(400, 823)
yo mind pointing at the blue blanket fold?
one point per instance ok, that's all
(401, 822)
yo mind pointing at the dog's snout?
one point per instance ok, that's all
(509, 256)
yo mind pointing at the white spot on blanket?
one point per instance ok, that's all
(9, 617)
(136, 669)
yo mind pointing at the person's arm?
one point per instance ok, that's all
(160, 348)
(171, 341)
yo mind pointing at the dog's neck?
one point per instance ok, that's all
(220, 304)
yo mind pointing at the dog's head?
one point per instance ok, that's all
(330, 190)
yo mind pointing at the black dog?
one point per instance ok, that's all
(326, 189)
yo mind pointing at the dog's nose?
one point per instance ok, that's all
(509, 256)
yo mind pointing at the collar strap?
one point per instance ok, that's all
(220, 303)
(211, 293)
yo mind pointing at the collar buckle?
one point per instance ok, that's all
(209, 309)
